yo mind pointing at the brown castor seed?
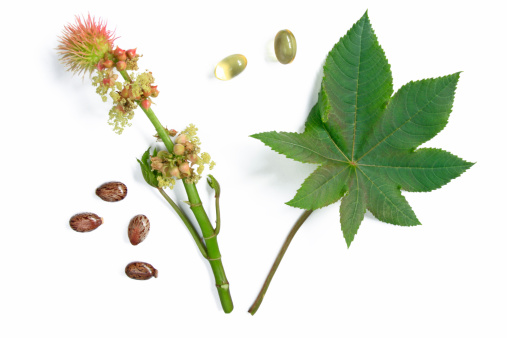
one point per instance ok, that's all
(140, 271)
(85, 222)
(112, 191)
(139, 227)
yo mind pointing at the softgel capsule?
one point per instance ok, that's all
(230, 67)
(285, 46)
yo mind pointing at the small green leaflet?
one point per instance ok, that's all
(213, 183)
(365, 139)
(149, 176)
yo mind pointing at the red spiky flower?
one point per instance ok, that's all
(84, 44)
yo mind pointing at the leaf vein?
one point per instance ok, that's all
(401, 126)
(385, 196)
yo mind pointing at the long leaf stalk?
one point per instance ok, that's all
(198, 240)
(210, 250)
(367, 140)
(260, 297)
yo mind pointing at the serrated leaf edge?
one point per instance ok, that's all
(328, 160)
(392, 203)
(457, 74)
(467, 166)
(292, 201)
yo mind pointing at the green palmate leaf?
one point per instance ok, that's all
(365, 138)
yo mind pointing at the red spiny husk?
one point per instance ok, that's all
(84, 43)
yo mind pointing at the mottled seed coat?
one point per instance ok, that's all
(85, 222)
(140, 271)
(112, 191)
(139, 227)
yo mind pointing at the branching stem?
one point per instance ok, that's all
(214, 256)
(213, 253)
(188, 223)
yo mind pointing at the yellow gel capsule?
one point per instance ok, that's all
(230, 67)
(285, 46)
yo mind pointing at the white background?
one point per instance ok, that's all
(445, 278)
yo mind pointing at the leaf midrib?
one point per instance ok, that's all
(357, 192)
(320, 187)
(417, 113)
(385, 196)
(401, 167)
(312, 150)
(357, 89)
(336, 145)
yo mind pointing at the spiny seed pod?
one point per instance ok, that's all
(140, 271)
(147, 92)
(100, 65)
(182, 139)
(121, 65)
(174, 171)
(146, 104)
(154, 91)
(139, 227)
(85, 222)
(125, 92)
(193, 158)
(108, 63)
(118, 51)
(108, 82)
(131, 53)
(120, 54)
(132, 97)
(84, 44)
(156, 163)
(179, 149)
(112, 191)
(184, 168)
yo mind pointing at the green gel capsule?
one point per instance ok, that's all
(230, 67)
(285, 46)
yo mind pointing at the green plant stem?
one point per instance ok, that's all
(153, 119)
(210, 238)
(217, 210)
(189, 225)
(207, 230)
(162, 134)
(285, 246)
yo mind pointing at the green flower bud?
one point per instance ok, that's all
(179, 149)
